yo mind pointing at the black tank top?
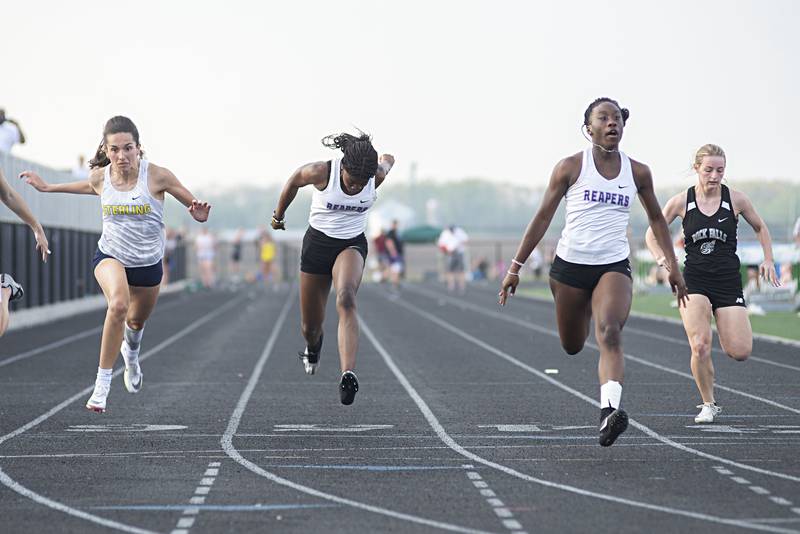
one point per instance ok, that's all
(710, 241)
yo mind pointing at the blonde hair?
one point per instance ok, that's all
(707, 150)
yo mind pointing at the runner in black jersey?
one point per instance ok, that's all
(710, 213)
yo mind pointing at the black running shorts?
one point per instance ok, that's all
(149, 276)
(585, 276)
(721, 291)
(319, 251)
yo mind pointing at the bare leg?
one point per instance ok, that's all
(110, 274)
(611, 304)
(143, 301)
(697, 323)
(314, 290)
(347, 272)
(573, 315)
(735, 332)
(4, 313)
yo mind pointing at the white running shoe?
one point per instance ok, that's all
(6, 280)
(97, 402)
(133, 373)
(708, 411)
(133, 377)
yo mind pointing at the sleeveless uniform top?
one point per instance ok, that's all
(337, 214)
(598, 210)
(710, 241)
(133, 227)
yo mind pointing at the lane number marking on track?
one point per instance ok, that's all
(124, 428)
(329, 428)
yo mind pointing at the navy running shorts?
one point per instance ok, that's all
(149, 276)
(586, 276)
(320, 251)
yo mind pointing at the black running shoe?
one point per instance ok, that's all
(348, 387)
(310, 357)
(612, 424)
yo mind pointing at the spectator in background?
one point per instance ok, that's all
(10, 133)
(379, 243)
(451, 243)
(170, 244)
(236, 255)
(267, 256)
(394, 251)
(205, 248)
(796, 232)
(81, 170)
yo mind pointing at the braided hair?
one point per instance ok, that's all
(360, 157)
(117, 124)
(597, 102)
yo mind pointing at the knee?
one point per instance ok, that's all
(346, 299)
(118, 308)
(739, 352)
(135, 324)
(609, 334)
(701, 347)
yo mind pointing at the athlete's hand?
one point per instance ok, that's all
(386, 158)
(277, 224)
(34, 180)
(199, 210)
(678, 287)
(41, 243)
(508, 288)
(768, 273)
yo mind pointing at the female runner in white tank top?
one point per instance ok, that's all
(128, 262)
(591, 274)
(334, 247)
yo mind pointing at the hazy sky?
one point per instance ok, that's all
(241, 92)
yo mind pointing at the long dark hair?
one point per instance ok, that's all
(360, 157)
(118, 124)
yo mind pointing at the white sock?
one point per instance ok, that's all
(103, 376)
(133, 338)
(610, 394)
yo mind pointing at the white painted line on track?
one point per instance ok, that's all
(22, 490)
(536, 328)
(576, 393)
(496, 504)
(233, 453)
(67, 340)
(190, 512)
(437, 427)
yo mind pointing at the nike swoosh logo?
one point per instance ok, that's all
(720, 220)
(363, 201)
(134, 198)
(622, 186)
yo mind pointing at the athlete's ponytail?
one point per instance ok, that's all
(360, 157)
(117, 124)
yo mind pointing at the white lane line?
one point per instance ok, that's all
(22, 490)
(498, 507)
(647, 430)
(536, 328)
(69, 339)
(781, 501)
(437, 427)
(740, 480)
(759, 490)
(211, 472)
(190, 512)
(233, 453)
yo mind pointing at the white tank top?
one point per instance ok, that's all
(133, 227)
(337, 214)
(597, 215)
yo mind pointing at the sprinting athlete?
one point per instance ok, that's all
(334, 247)
(710, 212)
(591, 275)
(10, 289)
(128, 261)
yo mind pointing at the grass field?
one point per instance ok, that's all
(781, 324)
